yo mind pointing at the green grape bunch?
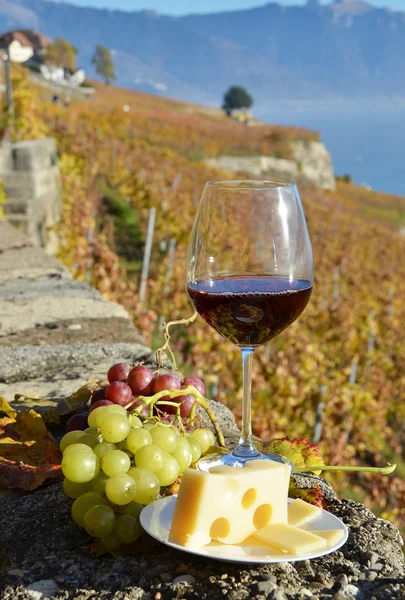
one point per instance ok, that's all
(136, 444)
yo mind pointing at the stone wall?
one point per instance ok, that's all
(30, 174)
(311, 164)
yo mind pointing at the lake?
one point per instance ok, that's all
(366, 138)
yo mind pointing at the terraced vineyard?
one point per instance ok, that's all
(122, 153)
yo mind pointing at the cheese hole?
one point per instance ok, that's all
(249, 498)
(220, 528)
(262, 516)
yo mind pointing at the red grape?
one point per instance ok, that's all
(141, 381)
(101, 403)
(196, 382)
(98, 395)
(135, 402)
(187, 402)
(119, 393)
(77, 422)
(119, 372)
(166, 382)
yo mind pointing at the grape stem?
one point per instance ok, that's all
(166, 346)
(381, 470)
(190, 389)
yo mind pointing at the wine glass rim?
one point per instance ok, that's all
(249, 184)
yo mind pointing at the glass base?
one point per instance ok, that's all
(234, 459)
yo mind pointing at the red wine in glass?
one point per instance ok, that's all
(250, 310)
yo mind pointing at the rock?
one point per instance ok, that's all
(45, 588)
(53, 546)
(185, 579)
(311, 163)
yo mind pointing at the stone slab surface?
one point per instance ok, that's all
(370, 566)
(11, 238)
(15, 290)
(75, 331)
(27, 313)
(29, 263)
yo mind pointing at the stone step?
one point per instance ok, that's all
(57, 371)
(29, 263)
(28, 313)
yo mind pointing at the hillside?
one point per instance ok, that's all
(347, 48)
(346, 351)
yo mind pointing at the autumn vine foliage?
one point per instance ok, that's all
(345, 355)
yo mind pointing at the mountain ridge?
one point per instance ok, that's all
(344, 49)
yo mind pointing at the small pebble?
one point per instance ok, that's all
(45, 588)
(265, 587)
(304, 593)
(187, 579)
(277, 595)
(377, 567)
(59, 578)
(342, 580)
(372, 575)
(373, 558)
(351, 590)
(74, 327)
(16, 572)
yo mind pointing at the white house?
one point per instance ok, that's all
(23, 44)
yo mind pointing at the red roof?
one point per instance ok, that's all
(26, 37)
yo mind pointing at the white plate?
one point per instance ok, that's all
(156, 519)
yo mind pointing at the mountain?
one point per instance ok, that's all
(347, 48)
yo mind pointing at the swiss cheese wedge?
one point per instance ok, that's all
(228, 504)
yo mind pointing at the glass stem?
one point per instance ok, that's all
(246, 447)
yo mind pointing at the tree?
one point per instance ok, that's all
(104, 64)
(235, 98)
(62, 54)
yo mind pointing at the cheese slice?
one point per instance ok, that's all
(300, 512)
(290, 539)
(229, 503)
(332, 536)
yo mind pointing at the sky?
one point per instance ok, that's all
(181, 7)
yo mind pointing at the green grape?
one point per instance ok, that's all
(115, 462)
(74, 490)
(149, 457)
(111, 542)
(123, 446)
(134, 421)
(182, 453)
(99, 520)
(91, 430)
(116, 409)
(147, 485)
(82, 505)
(99, 482)
(164, 437)
(148, 426)
(80, 465)
(132, 509)
(115, 428)
(195, 448)
(103, 448)
(77, 446)
(169, 471)
(120, 489)
(137, 438)
(205, 437)
(70, 438)
(90, 440)
(127, 529)
(94, 415)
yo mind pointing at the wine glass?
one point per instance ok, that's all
(249, 274)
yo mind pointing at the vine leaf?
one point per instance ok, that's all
(301, 451)
(29, 455)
